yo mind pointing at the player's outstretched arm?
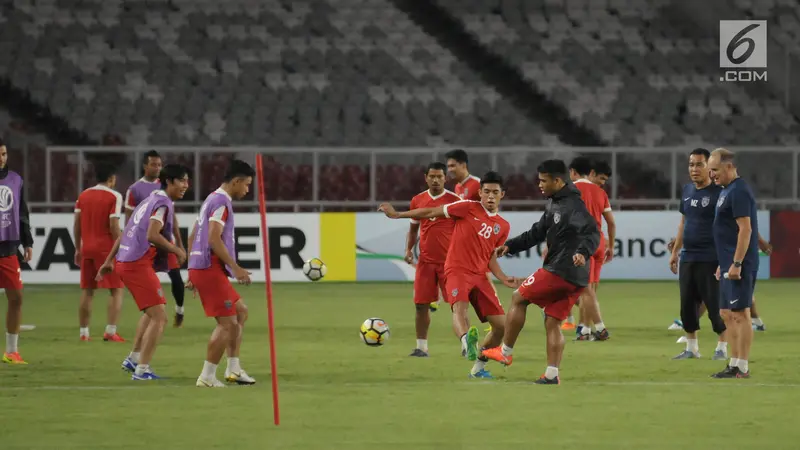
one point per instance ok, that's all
(497, 271)
(108, 264)
(419, 213)
(528, 239)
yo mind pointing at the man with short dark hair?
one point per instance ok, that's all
(434, 240)
(97, 214)
(140, 190)
(694, 247)
(467, 186)
(572, 238)
(601, 172)
(736, 238)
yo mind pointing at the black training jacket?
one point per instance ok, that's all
(568, 228)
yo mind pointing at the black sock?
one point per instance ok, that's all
(177, 286)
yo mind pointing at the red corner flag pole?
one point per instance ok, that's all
(273, 358)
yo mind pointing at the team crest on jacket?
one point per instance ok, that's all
(720, 201)
(556, 217)
(705, 201)
(497, 228)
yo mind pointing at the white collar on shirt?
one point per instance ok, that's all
(222, 192)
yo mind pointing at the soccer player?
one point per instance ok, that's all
(468, 186)
(434, 240)
(15, 230)
(96, 228)
(600, 173)
(212, 259)
(694, 247)
(596, 201)
(142, 251)
(572, 238)
(479, 229)
(736, 238)
(140, 190)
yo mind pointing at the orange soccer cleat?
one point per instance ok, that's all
(13, 358)
(113, 337)
(85, 338)
(567, 326)
(496, 354)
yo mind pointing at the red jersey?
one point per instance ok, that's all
(97, 206)
(469, 189)
(476, 235)
(596, 201)
(434, 234)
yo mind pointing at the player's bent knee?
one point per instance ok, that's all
(242, 312)
(518, 300)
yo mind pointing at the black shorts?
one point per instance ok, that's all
(699, 285)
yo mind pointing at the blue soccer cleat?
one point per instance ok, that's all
(129, 365)
(483, 373)
(759, 327)
(145, 376)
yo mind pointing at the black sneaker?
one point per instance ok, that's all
(601, 335)
(545, 380)
(178, 322)
(584, 337)
(729, 372)
(419, 353)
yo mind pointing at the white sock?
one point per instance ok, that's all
(734, 362)
(757, 321)
(422, 344)
(743, 365)
(134, 356)
(479, 365)
(85, 331)
(111, 330)
(571, 319)
(722, 346)
(599, 326)
(551, 372)
(464, 341)
(209, 371)
(506, 350)
(233, 365)
(11, 343)
(142, 369)
(179, 310)
(692, 346)
(585, 330)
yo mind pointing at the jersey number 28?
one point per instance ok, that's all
(486, 231)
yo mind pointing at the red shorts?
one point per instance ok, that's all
(551, 293)
(90, 265)
(10, 273)
(428, 282)
(476, 289)
(596, 262)
(142, 282)
(172, 261)
(216, 291)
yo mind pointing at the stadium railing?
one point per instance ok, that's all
(643, 178)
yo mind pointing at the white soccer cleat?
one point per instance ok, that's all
(681, 340)
(213, 383)
(239, 378)
(676, 325)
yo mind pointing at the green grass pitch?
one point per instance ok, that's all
(337, 393)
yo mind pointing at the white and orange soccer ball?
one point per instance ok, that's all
(374, 332)
(314, 269)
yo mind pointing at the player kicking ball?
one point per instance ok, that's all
(572, 238)
(142, 251)
(212, 259)
(478, 230)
